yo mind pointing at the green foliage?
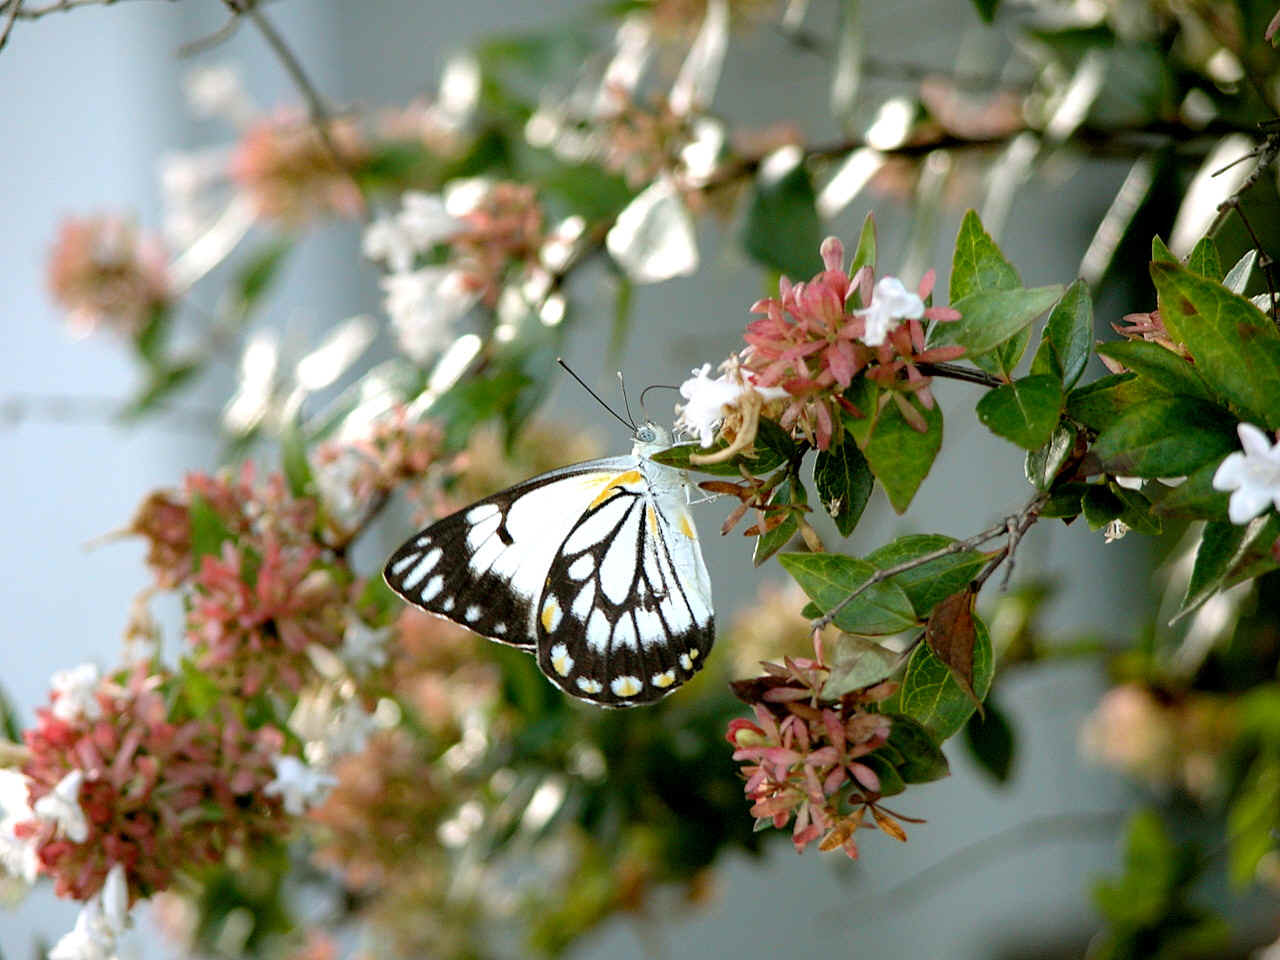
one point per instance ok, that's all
(772, 449)
(931, 695)
(991, 741)
(782, 231)
(844, 483)
(208, 532)
(978, 264)
(1159, 368)
(912, 751)
(899, 455)
(1068, 334)
(856, 662)
(931, 582)
(1042, 466)
(1139, 442)
(828, 578)
(1025, 411)
(789, 491)
(989, 318)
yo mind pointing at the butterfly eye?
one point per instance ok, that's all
(646, 434)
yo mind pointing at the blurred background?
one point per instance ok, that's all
(94, 99)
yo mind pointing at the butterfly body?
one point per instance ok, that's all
(595, 568)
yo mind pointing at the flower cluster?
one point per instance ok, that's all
(140, 783)
(807, 348)
(801, 756)
(291, 173)
(106, 273)
(1144, 326)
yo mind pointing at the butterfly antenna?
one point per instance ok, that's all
(622, 385)
(655, 386)
(630, 426)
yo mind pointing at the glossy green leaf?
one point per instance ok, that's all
(1025, 411)
(1160, 251)
(1068, 334)
(856, 662)
(790, 490)
(977, 264)
(844, 483)
(1159, 367)
(1102, 402)
(1042, 466)
(891, 783)
(990, 317)
(772, 446)
(931, 696)
(1165, 437)
(782, 230)
(1194, 498)
(1103, 503)
(828, 578)
(932, 582)
(899, 455)
(1065, 503)
(1205, 260)
(1137, 513)
(1218, 546)
(989, 737)
(922, 760)
(1235, 345)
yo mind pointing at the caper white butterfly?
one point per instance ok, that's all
(595, 568)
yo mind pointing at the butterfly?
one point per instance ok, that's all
(595, 568)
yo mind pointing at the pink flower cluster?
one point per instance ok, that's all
(801, 756)
(106, 273)
(504, 227)
(812, 341)
(161, 789)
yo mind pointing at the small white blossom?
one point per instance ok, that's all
(61, 806)
(298, 784)
(331, 722)
(217, 91)
(890, 301)
(1253, 475)
(707, 399)
(17, 856)
(1114, 530)
(424, 306)
(364, 648)
(100, 923)
(75, 689)
(421, 223)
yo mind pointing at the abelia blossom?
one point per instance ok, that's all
(298, 785)
(75, 692)
(890, 301)
(106, 273)
(1253, 476)
(61, 809)
(710, 401)
(425, 306)
(17, 854)
(100, 923)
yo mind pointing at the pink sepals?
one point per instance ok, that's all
(943, 314)
(926, 284)
(835, 780)
(865, 776)
(832, 251)
(835, 729)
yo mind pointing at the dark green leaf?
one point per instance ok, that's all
(1106, 502)
(1042, 466)
(1205, 260)
(773, 448)
(989, 737)
(922, 759)
(782, 229)
(828, 578)
(932, 582)
(586, 189)
(1065, 502)
(990, 317)
(1165, 437)
(1137, 513)
(1064, 345)
(1256, 555)
(10, 725)
(151, 340)
(987, 9)
(977, 264)
(162, 382)
(898, 454)
(1218, 546)
(929, 693)
(255, 276)
(1025, 411)
(856, 662)
(1100, 403)
(1159, 367)
(207, 530)
(1235, 345)
(891, 783)
(770, 542)
(844, 483)
(1193, 499)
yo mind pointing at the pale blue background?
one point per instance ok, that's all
(92, 97)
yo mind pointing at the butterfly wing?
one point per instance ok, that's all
(485, 566)
(625, 616)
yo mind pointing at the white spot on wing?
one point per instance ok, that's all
(482, 512)
(581, 568)
(624, 634)
(664, 679)
(561, 662)
(422, 541)
(472, 614)
(581, 608)
(685, 662)
(446, 604)
(433, 587)
(587, 685)
(499, 628)
(625, 686)
(404, 563)
(650, 627)
(598, 632)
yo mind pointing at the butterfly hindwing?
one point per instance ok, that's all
(485, 565)
(625, 615)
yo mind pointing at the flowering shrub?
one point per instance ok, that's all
(452, 802)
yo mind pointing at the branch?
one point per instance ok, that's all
(953, 371)
(15, 7)
(26, 11)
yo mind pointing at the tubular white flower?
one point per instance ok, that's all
(75, 689)
(707, 399)
(424, 306)
(890, 301)
(299, 785)
(61, 806)
(363, 647)
(1253, 476)
(17, 856)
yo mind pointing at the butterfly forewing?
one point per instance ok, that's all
(625, 616)
(485, 566)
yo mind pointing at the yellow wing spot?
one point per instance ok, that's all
(686, 527)
(562, 663)
(653, 521)
(625, 686)
(695, 653)
(686, 662)
(549, 611)
(664, 679)
(621, 480)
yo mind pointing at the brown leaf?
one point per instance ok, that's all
(950, 634)
(888, 824)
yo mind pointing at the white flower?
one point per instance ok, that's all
(216, 91)
(363, 647)
(386, 240)
(299, 784)
(890, 301)
(421, 223)
(17, 856)
(1254, 475)
(61, 806)
(100, 923)
(75, 689)
(330, 723)
(424, 305)
(706, 401)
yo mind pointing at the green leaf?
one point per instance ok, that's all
(1065, 502)
(828, 578)
(1100, 403)
(932, 582)
(1137, 513)
(1159, 367)
(1255, 556)
(844, 484)
(151, 340)
(987, 9)
(930, 694)
(790, 490)
(1234, 344)
(864, 255)
(1218, 546)
(1025, 411)
(1205, 260)
(1042, 466)
(207, 530)
(1194, 498)
(773, 448)
(922, 759)
(1254, 820)
(1165, 437)
(977, 263)
(989, 737)
(162, 381)
(1160, 253)
(990, 317)
(782, 229)
(1068, 333)
(856, 662)
(476, 400)
(1103, 503)
(296, 465)
(10, 724)
(254, 277)
(891, 783)
(898, 454)
(586, 189)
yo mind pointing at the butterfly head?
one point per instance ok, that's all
(650, 438)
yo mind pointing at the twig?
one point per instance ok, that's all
(29, 12)
(1266, 154)
(15, 7)
(953, 371)
(218, 37)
